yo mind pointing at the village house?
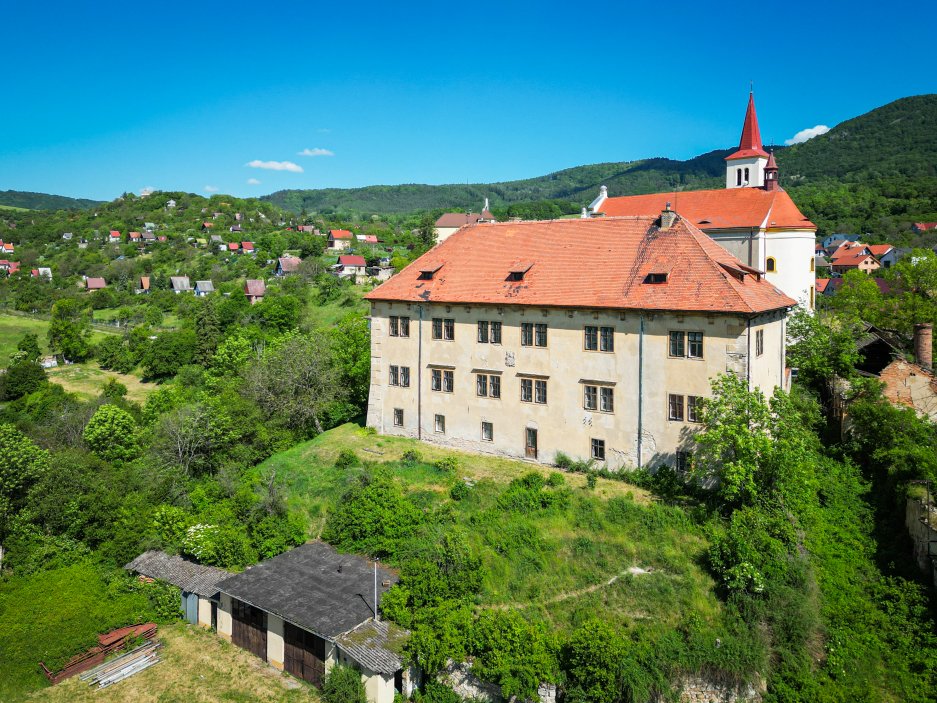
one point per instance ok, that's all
(10, 267)
(499, 341)
(170, 203)
(921, 227)
(114, 236)
(311, 229)
(351, 266)
(180, 284)
(450, 222)
(885, 254)
(235, 228)
(311, 608)
(752, 217)
(95, 284)
(135, 237)
(254, 289)
(287, 264)
(197, 584)
(366, 238)
(835, 240)
(67, 236)
(822, 285)
(42, 272)
(148, 237)
(143, 285)
(6, 247)
(247, 248)
(339, 239)
(380, 273)
(203, 288)
(853, 258)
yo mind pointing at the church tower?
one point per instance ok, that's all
(745, 168)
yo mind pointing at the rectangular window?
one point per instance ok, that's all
(682, 461)
(694, 347)
(436, 381)
(527, 334)
(405, 376)
(607, 399)
(448, 329)
(437, 328)
(590, 397)
(598, 449)
(398, 417)
(541, 334)
(677, 344)
(693, 408)
(448, 381)
(394, 375)
(441, 423)
(404, 326)
(527, 390)
(481, 385)
(592, 338)
(494, 386)
(394, 326)
(488, 432)
(607, 342)
(496, 333)
(540, 392)
(483, 331)
(759, 342)
(675, 408)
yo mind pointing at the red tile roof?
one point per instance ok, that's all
(821, 284)
(233, 246)
(750, 142)
(95, 283)
(339, 234)
(474, 264)
(460, 219)
(850, 259)
(923, 226)
(115, 234)
(351, 260)
(879, 250)
(134, 235)
(254, 287)
(289, 264)
(725, 208)
(247, 246)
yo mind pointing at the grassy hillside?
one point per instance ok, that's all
(13, 327)
(43, 201)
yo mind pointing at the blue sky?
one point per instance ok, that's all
(100, 98)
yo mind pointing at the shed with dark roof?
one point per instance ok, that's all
(197, 583)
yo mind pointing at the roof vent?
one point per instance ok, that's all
(426, 274)
(667, 217)
(517, 270)
(656, 278)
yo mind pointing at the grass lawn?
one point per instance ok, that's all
(316, 315)
(87, 380)
(13, 327)
(196, 666)
(555, 564)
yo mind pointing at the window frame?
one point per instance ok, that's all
(481, 385)
(404, 376)
(674, 336)
(690, 343)
(693, 407)
(448, 381)
(527, 334)
(528, 384)
(540, 327)
(590, 397)
(590, 338)
(495, 331)
(771, 265)
(394, 375)
(398, 417)
(439, 421)
(448, 330)
(606, 399)
(437, 328)
(494, 386)
(597, 449)
(540, 391)
(404, 326)
(483, 331)
(435, 383)
(394, 326)
(673, 404)
(491, 431)
(607, 339)
(759, 342)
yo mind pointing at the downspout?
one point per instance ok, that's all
(748, 359)
(419, 376)
(640, 388)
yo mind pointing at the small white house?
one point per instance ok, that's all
(203, 288)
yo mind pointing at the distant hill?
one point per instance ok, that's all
(873, 173)
(43, 201)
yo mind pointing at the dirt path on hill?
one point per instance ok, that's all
(566, 595)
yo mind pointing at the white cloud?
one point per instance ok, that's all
(323, 130)
(211, 189)
(253, 182)
(315, 152)
(275, 165)
(147, 190)
(805, 134)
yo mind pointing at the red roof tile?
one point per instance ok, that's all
(750, 142)
(460, 219)
(724, 208)
(247, 246)
(233, 246)
(95, 283)
(254, 287)
(339, 234)
(474, 264)
(351, 260)
(821, 284)
(879, 250)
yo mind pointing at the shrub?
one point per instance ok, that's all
(411, 456)
(436, 693)
(111, 433)
(346, 459)
(591, 479)
(448, 464)
(562, 460)
(556, 479)
(460, 491)
(343, 685)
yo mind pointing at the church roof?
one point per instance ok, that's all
(750, 142)
(725, 208)
(632, 264)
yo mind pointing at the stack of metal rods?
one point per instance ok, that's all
(134, 661)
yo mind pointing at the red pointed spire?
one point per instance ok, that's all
(771, 162)
(750, 143)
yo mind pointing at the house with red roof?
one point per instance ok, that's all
(527, 352)
(886, 254)
(95, 284)
(136, 237)
(287, 264)
(254, 289)
(753, 217)
(9, 267)
(449, 223)
(920, 227)
(233, 246)
(247, 248)
(351, 266)
(340, 239)
(854, 258)
(114, 236)
(6, 247)
(366, 238)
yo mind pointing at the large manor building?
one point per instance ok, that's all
(595, 337)
(752, 217)
(592, 337)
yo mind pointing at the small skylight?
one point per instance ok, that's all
(656, 278)
(517, 270)
(426, 274)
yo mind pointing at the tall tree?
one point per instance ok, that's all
(70, 330)
(21, 463)
(207, 332)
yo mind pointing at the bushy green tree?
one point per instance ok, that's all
(207, 332)
(111, 433)
(21, 463)
(343, 685)
(70, 330)
(168, 353)
(351, 339)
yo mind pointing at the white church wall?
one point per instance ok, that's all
(793, 251)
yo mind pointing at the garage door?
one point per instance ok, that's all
(304, 655)
(249, 628)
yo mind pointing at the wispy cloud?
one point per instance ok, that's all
(147, 190)
(275, 165)
(805, 134)
(323, 130)
(211, 189)
(315, 152)
(253, 182)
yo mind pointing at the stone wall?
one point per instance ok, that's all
(916, 520)
(695, 689)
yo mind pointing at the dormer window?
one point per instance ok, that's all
(656, 278)
(427, 273)
(517, 271)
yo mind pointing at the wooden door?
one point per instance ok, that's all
(249, 628)
(531, 448)
(304, 654)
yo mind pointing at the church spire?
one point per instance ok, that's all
(750, 142)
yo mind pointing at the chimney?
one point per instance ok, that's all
(667, 217)
(923, 344)
(585, 214)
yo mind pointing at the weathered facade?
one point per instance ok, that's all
(497, 341)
